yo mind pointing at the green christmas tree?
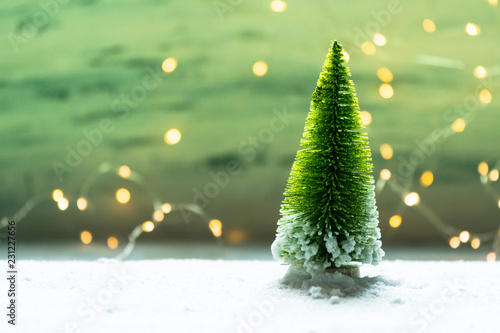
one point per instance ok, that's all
(329, 215)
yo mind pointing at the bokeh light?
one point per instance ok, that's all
(81, 203)
(480, 72)
(260, 68)
(169, 65)
(386, 151)
(493, 175)
(493, 2)
(412, 199)
(368, 48)
(491, 257)
(379, 40)
(278, 6)
(57, 194)
(386, 90)
(173, 136)
(485, 96)
(427, 178)
(166, 208)
(482, 168)
(464, 236)
(148, 226)
(63, 204)
(395, 221)
(234, 237)
(346, 55)
(123, 196)
(385, 174)
(475, 243)
(366, 117)
(384, 74)
(112, 242)
(216, 227)
(124, 171)
(429, 25)
(454, 242)
(472, 29)
(458, 125)
(158, 216)
(86, 237)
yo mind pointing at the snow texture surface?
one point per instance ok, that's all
(253, 296)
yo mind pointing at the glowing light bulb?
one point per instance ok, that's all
(278, 6)
(368, 48)
(475, 243)
(386, 90)
(464, 236)
(123, 196)
(427, 178)
(86, 237)
(148, 226)
(454, 242)
(386, 151)
(169, 65)
(491, 257)
(472, 29)
(81, 203)
(379, 40)
(216, 227)
(384, 74)
(124, 171)
(57, 194)
(429, 25)
(395, 221)
(412, 199)
(172, 136)
(366, 118)
(485, 96)
(112, 242)
(385, 174)
(482, 168)
(480, 72)
(158, 216)
(260, 68)
(493, 175)
(458, 125)
(166, 208)
(63, 204)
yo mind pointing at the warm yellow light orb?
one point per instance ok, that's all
(395, 221)
(158, 216)
(454, 242)
(166, 208)
(112, 242)
(491, 257)
(493, 2)
(464, 236)
(169, 65)
(368, 48)
(384, 74)
(472, 29)
(485, 96)
(412, 199)
(429, 25)
(386, 151)
(81, 203)
(86, 237)
(475, 243)
(458, 125)
(216, 227)
(480, 72)
(278, 6)
(124, 171)
(346, 55)
(57, 194)
(427, 178)
(386, 90)
(172, 136)
(260, 68)
(385, 174)
(148, 226)
(493, 175)
(123, 196)
(482, 168)
(63, 204)
(379, 40)
(366, 118)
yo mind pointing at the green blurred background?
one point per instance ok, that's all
(67, 66)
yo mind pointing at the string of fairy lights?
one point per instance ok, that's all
(409, 198)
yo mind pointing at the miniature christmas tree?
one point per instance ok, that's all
(329, 216)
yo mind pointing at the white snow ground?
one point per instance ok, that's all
(247, 296)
